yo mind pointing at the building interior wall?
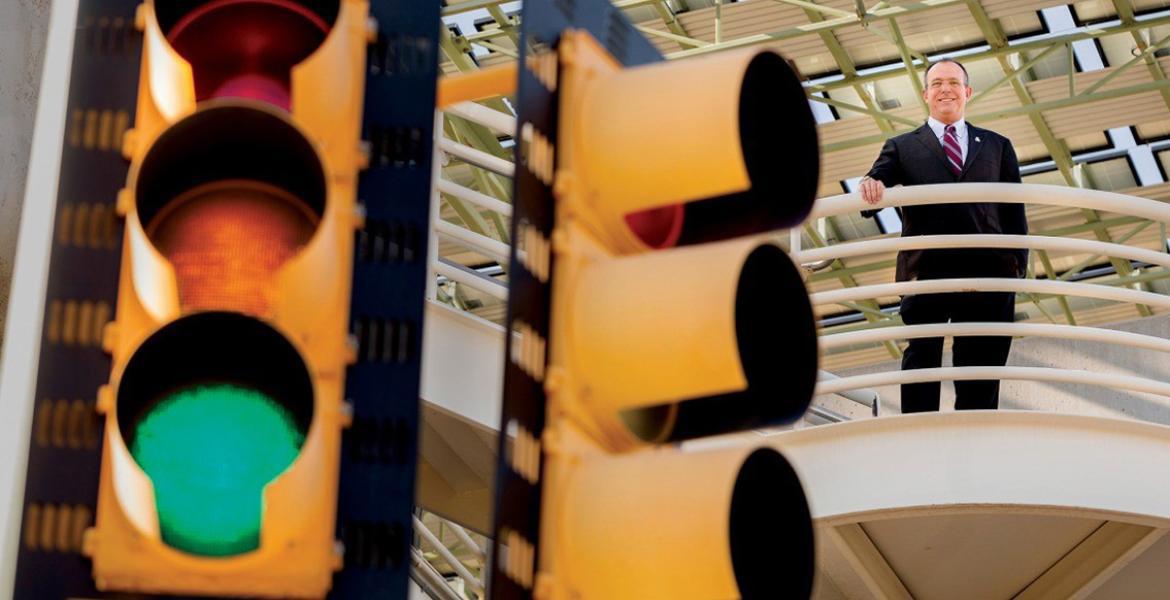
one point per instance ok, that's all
(23, 26)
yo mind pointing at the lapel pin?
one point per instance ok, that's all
(977, 139)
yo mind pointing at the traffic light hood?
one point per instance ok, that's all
(708, 524)
(681, 153)
(722, 335)
(229, 141)
(245, 48)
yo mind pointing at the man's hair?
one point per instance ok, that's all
(926, 74)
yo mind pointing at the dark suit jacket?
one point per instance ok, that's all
(917, 158)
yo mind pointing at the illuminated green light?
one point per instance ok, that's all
(210, 450)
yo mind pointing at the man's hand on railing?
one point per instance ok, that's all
(872, 190)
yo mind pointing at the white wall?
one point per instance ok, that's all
(23, 24)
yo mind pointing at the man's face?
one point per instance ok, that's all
(946, 94)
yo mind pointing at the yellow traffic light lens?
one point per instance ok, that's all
(210, 450)
(228, 196)
(213, 408)
(227, 241)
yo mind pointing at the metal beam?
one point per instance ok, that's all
(801, 30)
(867, 561)
(993, 52)
(1092, 562)
(1013, 75)
(671, 20)
(1062, 300)
(907, 60)
(506, 24)
(1122, 267)
(1087, 262)
(1125, 12)
(674, 37)
(1146, 53)
(997, 38)
(845, 62)
(718, 21)
(823, 10)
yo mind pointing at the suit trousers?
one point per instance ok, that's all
(967, 351)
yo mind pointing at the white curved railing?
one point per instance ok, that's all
(1068, 332)
(1032, 242)
(994, 193)
(1011, 193)
(991, 284)
(1113, 381)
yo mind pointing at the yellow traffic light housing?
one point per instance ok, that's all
(225, 408)
(665, 524)
(640, 217)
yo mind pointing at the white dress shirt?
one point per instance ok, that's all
(940, 129)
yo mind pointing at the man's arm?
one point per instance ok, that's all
(887, 169)
(1013, 216)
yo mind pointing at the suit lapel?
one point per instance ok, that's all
(975, 143)
(925, 135)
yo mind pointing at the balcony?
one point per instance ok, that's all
(1053, 496)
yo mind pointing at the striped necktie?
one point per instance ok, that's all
(954, 153)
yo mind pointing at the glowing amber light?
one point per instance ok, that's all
(227, 240)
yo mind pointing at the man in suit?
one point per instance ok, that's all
(949, 150)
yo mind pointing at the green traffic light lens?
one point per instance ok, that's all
(213, 407)
(210, 450)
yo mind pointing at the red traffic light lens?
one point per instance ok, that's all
(247, 48)
(658, 227)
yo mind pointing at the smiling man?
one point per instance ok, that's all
(949, 150)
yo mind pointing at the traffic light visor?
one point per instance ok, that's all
(712, 524)
(213, 407)
(737, 155)
(723, 335)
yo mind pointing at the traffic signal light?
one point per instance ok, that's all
(646, 309)
(226, 405)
